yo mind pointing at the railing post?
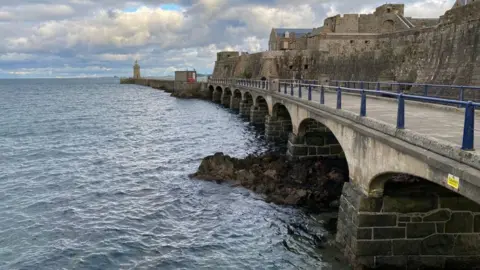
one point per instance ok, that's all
(469, 128)
(399, 89)
(339, 98)
(425, 90)
(300, 90)
(378, 86)
(401, 112)
(291, 89)
(285, 92)
(279, 86)
(363, 104)
(322, 95)
(462, 93)
(310, 92)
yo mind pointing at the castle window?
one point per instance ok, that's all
(306, 66)
(352, 41)
(389, 10)
(291, 67)
(367, 41)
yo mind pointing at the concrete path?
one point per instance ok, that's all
(442, 124)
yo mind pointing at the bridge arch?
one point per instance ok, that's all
(226, 97)
(314, 139)
(246, 104)
(279, 125)
(235, 99)
(211, 90)
(259, 111)
(217, 95)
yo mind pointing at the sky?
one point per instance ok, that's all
(98, 38)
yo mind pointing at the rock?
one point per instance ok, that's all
(315, 184)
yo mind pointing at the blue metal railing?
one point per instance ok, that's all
(460, 92)
(289, 87)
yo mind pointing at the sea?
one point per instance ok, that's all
(94, 175)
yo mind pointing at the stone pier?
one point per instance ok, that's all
(258, 114)
(217, 96)
(225, 99)
(277, 129)
(235, 102)
(414, 226)
(314, 140)
(245, 108)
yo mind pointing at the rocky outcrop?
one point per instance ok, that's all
(314, 184)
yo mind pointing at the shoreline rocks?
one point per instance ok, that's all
(313, 184)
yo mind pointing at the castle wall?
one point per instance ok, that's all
(448, 53)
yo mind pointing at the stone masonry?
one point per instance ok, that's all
(313, 140)
(225, 99)
(217, 96)
(277, 129)
(414, 226)
(235, 102)
(258, 114)
(245, 107)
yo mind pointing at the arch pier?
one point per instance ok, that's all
(279, 125)
(259, 111)
(414, 225)
(217, 95)
(226, 97)
(246, 105)
(235, 100)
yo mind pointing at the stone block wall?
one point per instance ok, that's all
(235, 102)
(258, 115)
(217, 96)
(314, 140)
(245, 108)
(277, 129)
(414, 228)
(226, 97)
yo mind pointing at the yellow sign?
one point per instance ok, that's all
(453, 181)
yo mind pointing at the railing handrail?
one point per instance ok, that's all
(470, 87)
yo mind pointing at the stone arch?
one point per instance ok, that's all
(414, 216)
(388, 26)
(259, 111)
(279, 125)
(246, 104)
(235, 100)
(211, 90)
(217, 95)
(313, 140)
(226, 97)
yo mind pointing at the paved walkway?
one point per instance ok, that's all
(438, 123)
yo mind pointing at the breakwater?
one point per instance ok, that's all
(176, 88)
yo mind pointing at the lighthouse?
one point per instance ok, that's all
(136, 70)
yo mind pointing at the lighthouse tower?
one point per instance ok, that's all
(136, 70)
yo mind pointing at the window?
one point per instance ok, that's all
(306, 66)
(389, 10)
(291, 67)
(352, 41)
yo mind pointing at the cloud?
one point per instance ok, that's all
(71, 37)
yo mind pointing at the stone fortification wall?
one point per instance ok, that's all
(448, 53)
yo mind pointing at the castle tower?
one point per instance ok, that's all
(136, 70)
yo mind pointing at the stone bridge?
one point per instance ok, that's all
(386, 219)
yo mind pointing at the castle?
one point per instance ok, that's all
(386, 19)
(384, 45)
